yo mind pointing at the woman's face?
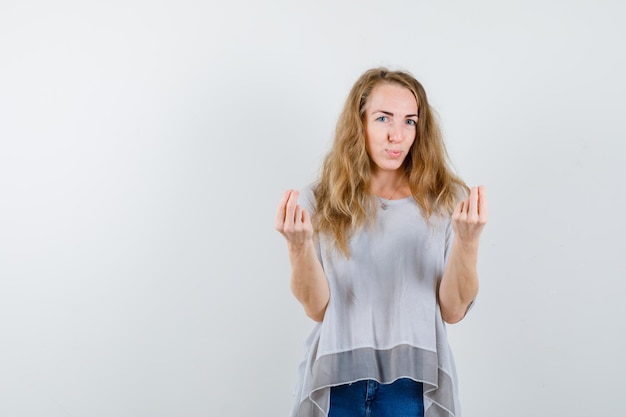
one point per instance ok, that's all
(390, 125)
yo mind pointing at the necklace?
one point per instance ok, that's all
(384, 205)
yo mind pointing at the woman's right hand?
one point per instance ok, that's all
(293, 222)
(308, 281)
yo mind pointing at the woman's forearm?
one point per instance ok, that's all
(459, 284)
(308, 281)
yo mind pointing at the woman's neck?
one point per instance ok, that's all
(390, 185)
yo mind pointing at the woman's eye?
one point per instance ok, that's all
(411, 122)
(382, 119)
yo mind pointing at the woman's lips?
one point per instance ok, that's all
(393, 153)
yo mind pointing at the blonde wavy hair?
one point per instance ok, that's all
(342, 193)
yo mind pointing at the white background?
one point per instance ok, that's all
(144, 146)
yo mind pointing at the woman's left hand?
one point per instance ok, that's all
(470, 216)
(459, 283)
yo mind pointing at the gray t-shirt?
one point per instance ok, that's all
(383, 320)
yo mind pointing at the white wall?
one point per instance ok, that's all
(144, 147)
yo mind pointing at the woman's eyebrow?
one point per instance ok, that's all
(391, 114)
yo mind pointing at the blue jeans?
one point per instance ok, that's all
(402, 398)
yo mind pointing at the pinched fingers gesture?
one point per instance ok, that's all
(470, 216)
(292, 221)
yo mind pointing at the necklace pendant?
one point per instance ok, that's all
(383, 206)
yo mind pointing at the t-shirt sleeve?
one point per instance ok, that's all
(307, 202)
(449, 239)
(307, 199)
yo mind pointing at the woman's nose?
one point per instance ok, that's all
(395, 133)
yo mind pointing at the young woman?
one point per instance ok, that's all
(383, 251)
